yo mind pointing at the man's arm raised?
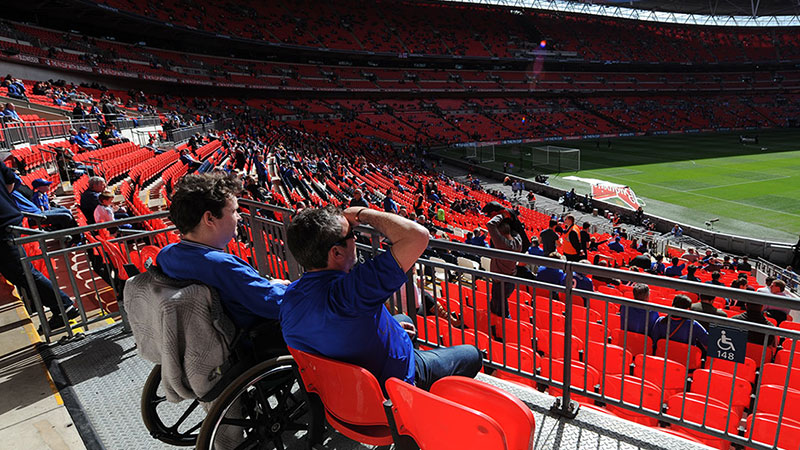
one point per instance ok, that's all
(409, 239)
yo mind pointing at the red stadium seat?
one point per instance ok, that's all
(636, 393)
(762, 428)
(678, 353)
(723, 387)
(351, 397)
(745, 371)
(668, 374)
(607, 358)
(514, 416)
(712, 415)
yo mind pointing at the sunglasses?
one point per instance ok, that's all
(343, 241)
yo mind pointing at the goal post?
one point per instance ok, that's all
(479, 153)
(551, 158)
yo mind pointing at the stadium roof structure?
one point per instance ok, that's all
(728, 13)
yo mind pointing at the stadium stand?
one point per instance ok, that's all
(362, 127)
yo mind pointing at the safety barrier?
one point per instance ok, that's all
(567, 337)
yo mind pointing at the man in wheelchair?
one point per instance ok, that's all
(205, 211)
(209, 321)
(336, 309)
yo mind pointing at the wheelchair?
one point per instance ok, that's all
(258, 402)
(264, 407)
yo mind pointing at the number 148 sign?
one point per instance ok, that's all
(727, 343)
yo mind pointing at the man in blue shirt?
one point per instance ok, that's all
(10, 254)
(389, 204)
(84, 140)
(675, 270)
(638, 320)
(336, 309)
(10, 113)
(616, 246)
(680, 329)
(204, 209)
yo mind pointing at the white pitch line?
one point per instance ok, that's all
(683, 191)
(738, 184)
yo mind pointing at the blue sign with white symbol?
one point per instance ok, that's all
(727, 343)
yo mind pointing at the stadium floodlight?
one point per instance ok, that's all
(551, 158)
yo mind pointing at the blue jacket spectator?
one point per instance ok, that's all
(616, 246)
(658, 267)
(10, 113)
(675, 270)
(638, 320)
(680, 329)
(16, 89)
(84, 140)
(389, 204)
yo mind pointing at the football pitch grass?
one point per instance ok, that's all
(754, 189)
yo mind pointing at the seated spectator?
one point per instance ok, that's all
(715, 276)
(10, 114)
(11, 258)
(616, 245)
(677, 231)
(777, 287)
(83, 139)
(690, 274)
(638, 320)
(204, 209)
(706, 305)
(336, 309)
(90, 197)
(658, 267)
(78, 113)
(189, 160)
(676, 269)
(358, 199)
(690, 255)
(55, 218)
(642, 261)
(104, 211)
(754, 313)
(551, 275)
(534, 249)
(744, 266)
(389, 205)
(111, 136)
(680, 329)
(16, 88)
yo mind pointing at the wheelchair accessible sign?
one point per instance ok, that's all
(726, 343)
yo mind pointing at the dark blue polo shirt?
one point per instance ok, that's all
(342, 316)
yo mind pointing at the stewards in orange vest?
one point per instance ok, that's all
(571, 243)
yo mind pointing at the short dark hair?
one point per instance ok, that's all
(195, 194)
(312, 233)
(681, 301)
(641, 291)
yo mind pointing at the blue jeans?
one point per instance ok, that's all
(11, 268)
(59, 218)
(432, 365)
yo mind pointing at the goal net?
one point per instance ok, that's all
(550, 159)
(478, 153)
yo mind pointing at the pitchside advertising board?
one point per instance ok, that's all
(613, 193)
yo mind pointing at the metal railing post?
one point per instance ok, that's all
(567, 407)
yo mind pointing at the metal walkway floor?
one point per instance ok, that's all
(101, 379)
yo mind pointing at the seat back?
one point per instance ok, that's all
(762, 428)
(349, 393)
(773, 373)
(719, 385)
(771, 398)
(514, 416)
(634, 392)
(617, 360)
(636, 343)
(680, 353)
(747, 370)
(438, 423)
(669, 374)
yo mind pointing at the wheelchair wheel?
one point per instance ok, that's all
(185, 417)
(264, 408)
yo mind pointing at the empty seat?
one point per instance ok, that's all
(680, 352)
(607, 358)
(582, 377)
(711, 415)
(762, 428)
(723, 387)
(747, 370)
(634, 392)
(776, 374)
(668, 374)
(636, 343)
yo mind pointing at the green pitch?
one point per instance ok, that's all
(754, 189)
